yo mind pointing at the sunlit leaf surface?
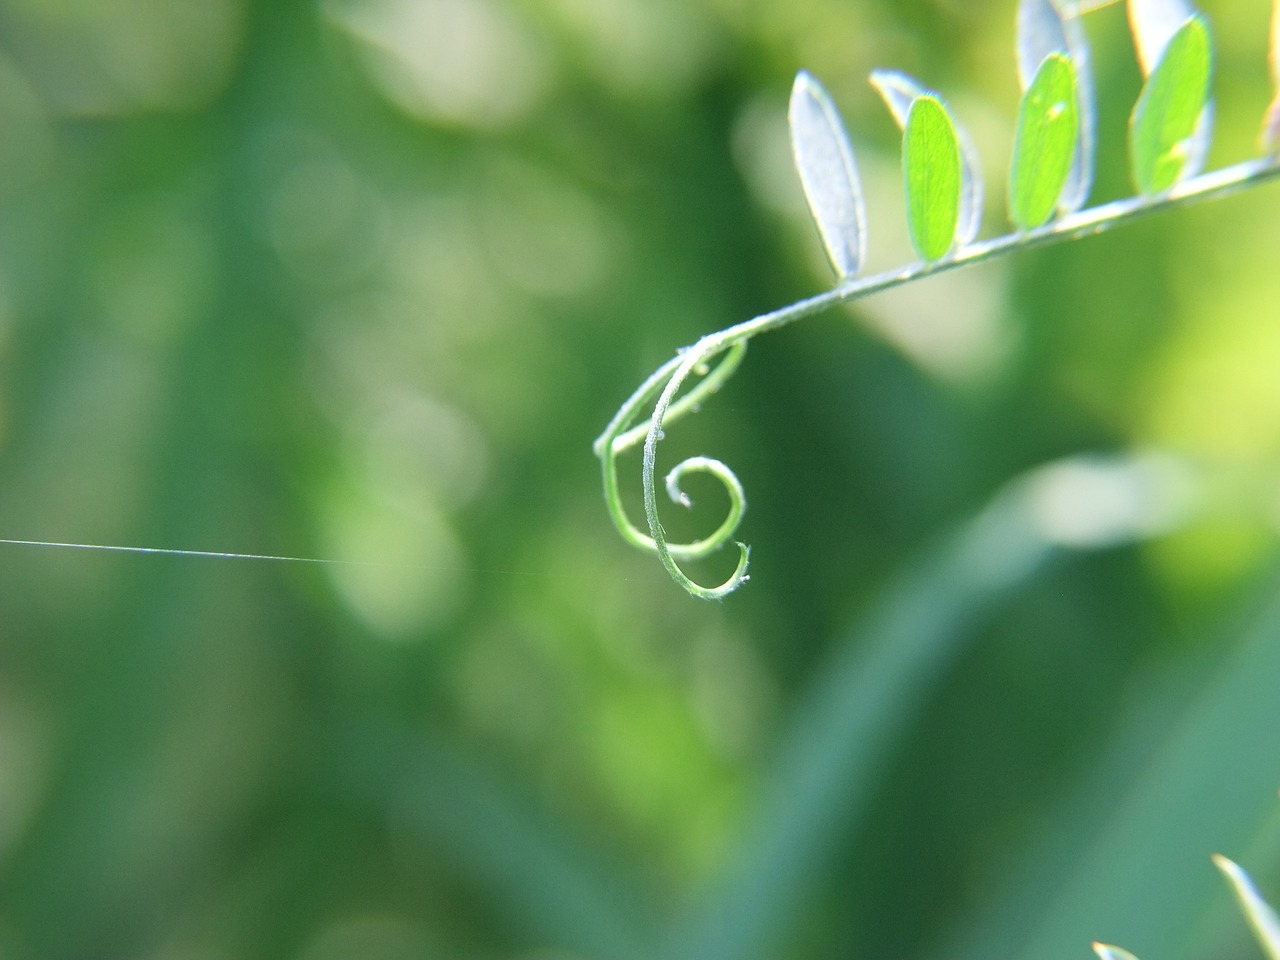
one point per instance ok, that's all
(931, 167)
(1045, 144)
(899, 92)
(1171, 105)
(1042, 30)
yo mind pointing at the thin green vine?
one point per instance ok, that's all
(665, 382)
(829, 176)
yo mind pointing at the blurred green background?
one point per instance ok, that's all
(363, 279)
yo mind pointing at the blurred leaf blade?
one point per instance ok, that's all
(860, 702)
(496, 833)
(1261, 915)
(1107, 951)
(1173, 769)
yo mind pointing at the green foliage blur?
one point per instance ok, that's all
(363, 279)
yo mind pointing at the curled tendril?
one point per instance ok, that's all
(730, 344)
(620, 435)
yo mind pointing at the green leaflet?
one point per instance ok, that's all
(1169, 108)
(1045, 27)
(931, 167)
(1045, 145)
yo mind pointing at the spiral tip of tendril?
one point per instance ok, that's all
(675, 493)
(736, 579)
(740, 575)
(620, 435)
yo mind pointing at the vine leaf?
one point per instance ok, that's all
(1046, 144)
(899, 92)
(1154, 23)
(1262, 918)
(931, 168)
(1168, 129)
(1271, 122)
(1052, 167)
(1043, 30)
(824, 159)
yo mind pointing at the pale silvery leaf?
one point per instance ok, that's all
(1041, 31)
(970, 190)
(899, 91)
(824, 159)
(1153, 24)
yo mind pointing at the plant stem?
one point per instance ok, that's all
(665, 382)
